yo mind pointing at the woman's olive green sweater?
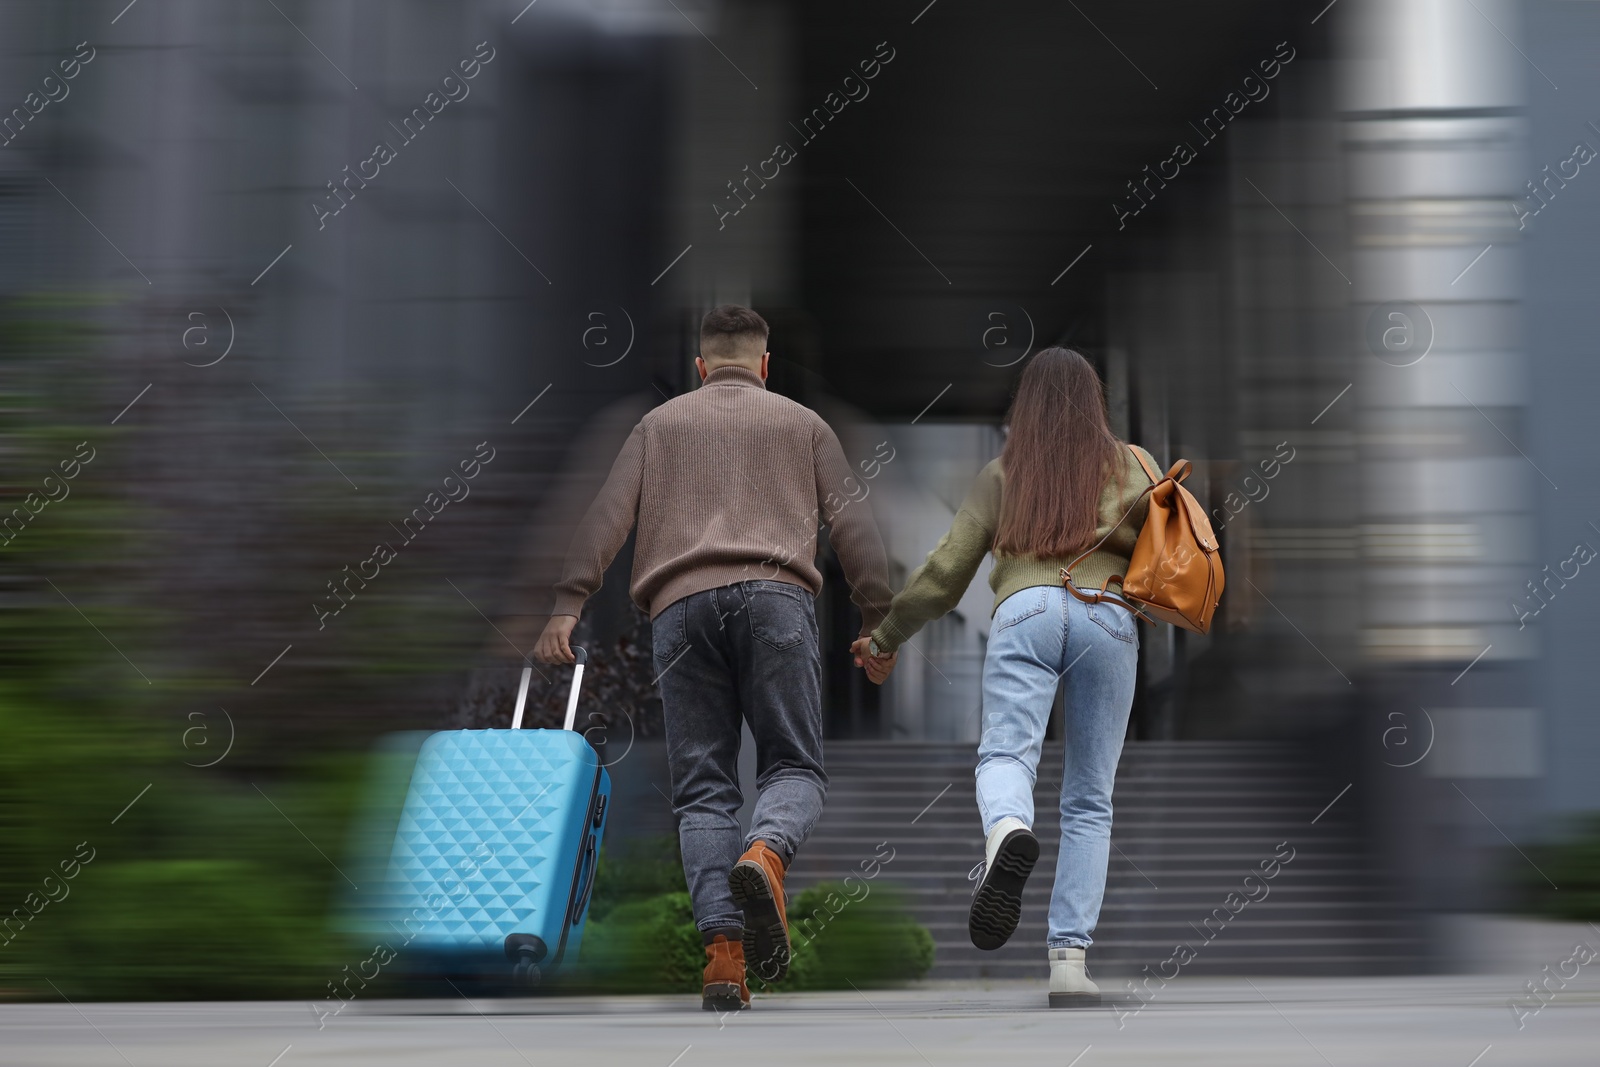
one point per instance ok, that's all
(937, 586)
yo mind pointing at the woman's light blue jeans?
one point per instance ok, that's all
(1041, 636)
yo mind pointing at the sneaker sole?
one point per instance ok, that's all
(722, 997)
(766, 941)
(1074, 1000)
(997, 905)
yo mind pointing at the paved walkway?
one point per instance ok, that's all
(1415, 1022)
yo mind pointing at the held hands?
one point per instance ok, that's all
(878, 668)
(553, 646)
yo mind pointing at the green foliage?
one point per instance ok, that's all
(200, 890)
(636, 869)
(839, 941)
(652, 946)
(645, 946)
(158, 929)
(202, 887)
(1572, 864)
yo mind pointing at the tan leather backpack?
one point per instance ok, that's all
(1175, 573)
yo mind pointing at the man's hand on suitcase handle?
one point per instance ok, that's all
(878, 668)
(554, 646)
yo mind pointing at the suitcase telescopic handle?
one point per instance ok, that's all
(572, 696)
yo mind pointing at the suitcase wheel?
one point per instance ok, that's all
(525, 951)
(526, 974)
(525, 948)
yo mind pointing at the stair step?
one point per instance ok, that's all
(1191, 817)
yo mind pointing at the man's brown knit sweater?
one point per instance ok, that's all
(728, 483)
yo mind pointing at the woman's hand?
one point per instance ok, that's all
(878, 668)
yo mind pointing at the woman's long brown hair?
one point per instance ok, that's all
(1057, 458)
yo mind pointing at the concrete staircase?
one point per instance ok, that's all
(1192, 819)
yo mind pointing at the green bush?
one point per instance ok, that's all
(636, 869)
(1572, 864)
(176, 929)
(644, 946)
(839, 941)
(652, 946)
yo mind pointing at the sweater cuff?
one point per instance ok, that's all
(888, 637)
(569, 604)
(870, 621)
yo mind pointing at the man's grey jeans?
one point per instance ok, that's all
(745, 651)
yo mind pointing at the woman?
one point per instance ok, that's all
(1063, 485)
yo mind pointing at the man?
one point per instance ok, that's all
(728, 485)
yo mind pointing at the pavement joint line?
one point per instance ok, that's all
(890, 1021)
(1286, 1019)
(90, 1021)
(490, 1021)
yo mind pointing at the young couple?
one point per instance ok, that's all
(726, 486)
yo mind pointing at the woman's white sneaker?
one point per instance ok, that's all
(1069, 981)
(1009, 853)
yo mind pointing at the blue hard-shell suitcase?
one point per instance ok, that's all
(495, 852)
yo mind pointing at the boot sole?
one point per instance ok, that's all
(722, 997)
(997, 905)
(1074, 1000)
(766, 940)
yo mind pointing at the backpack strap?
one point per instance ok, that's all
(1096, 546)
(1154, 480)
(1105, 596)
(1149, 471)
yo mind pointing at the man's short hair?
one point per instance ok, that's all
(731, 333)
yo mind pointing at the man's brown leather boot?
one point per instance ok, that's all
(756, 883)
(724, 987)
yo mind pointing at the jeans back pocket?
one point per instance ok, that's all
(1116, 621)
(669, 632)
(780, 613)
(1023, 604)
